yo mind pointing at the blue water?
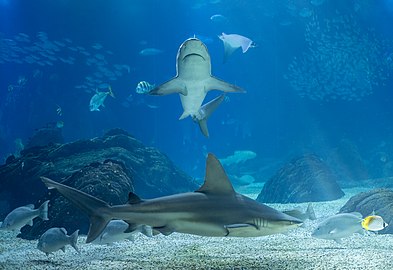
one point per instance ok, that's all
(271, 119)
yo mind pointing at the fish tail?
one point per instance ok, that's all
(99, 212)
(147, 230)
(74, 240)
(43, 211)
(111, 92)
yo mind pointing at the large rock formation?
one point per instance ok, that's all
(107, 167)
(378, 201)
(305, 179)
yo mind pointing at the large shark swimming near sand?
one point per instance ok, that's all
(215, 209)
(193, 80)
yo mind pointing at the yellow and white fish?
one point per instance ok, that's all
(374, 223)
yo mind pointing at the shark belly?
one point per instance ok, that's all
(193, 100)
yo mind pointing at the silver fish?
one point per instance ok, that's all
(339, 226)
(119, 230)
(55, 239)
(24, 215)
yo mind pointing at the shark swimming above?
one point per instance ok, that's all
(215, 209)
(193, 80)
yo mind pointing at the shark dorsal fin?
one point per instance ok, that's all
(216, 180)
(133, 198)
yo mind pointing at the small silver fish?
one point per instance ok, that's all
(55, 239)
(150, 52)
(144, 87)
(98, 99)
(24, 215)
(339, 226)
(115, 231)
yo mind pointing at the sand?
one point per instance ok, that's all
(295, 250)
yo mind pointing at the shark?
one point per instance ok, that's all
(193, 81)
(214, 210)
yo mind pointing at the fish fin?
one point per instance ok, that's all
(97, 210)
(63, 249)
(30, 206)
(170, 87)
(63, 230)
(205, 111)
(133, 198)
(131, 237)
(214, 83)
(333, 231)
(228, 48)
(310, 212)
(216, 180)
(30, 222)
(184, 115)
(111, 92)
(165, 230)
(43, 210)
(338, 241)
(147, 230)
(131, 227)
(237, 229)
(203, 127)
(74, 239)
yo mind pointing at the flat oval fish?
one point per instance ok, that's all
(55, 239)
(24, 215)
(144, 87)
(232, 42)
(119, 230)
(374, 223)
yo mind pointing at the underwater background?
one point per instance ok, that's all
(309, 88)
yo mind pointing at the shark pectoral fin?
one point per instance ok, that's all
(239, 229)
(165, 230)
(170, 87)
(217, 84)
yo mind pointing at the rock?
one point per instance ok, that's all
(149, 172)
(378, 200)
(347, 163)
(305, 179)
(46, 135)
(109, 181)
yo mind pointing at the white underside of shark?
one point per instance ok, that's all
(193, 81)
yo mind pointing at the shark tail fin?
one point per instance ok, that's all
(206, 110)
(74, 240)
(43, 210)
(97, 210)
(217, 84)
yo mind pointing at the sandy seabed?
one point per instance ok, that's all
(295, 250)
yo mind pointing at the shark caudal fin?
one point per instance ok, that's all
(97, 210)
(205, 111)
(217, 84)
(170, 87)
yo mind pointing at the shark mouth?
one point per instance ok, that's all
(194, 54)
